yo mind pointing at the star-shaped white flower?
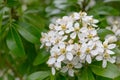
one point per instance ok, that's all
(70, 66)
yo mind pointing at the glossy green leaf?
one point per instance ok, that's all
(12, 3)
(41, 59)
(111, 71)
(86, 74)
(102, 33)
(111, 1)
(14, 43)
(29, 32)
(102, 78)
(118, 78)
(40, 75)
(0, 22)
(117, 51)
(104, 10)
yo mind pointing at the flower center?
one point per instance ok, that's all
(63, 27)
(63, 51)
(77, 29)
(78, 53)
(70, 65)
(105, 45)
(87, 50)
(106, 55)
(90, 36)
(56, 55)
(90, 27)
(57, 41)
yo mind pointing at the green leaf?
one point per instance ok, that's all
(118, 78)
(102, 33)
(0, 22)
(12, 3)
(111, 71)
(29, 32)
(40, 75)
(86, 74)
(104, 10)
(111, 1)
(14, 43)
(117, 51)
(102, 78)
(40, 59)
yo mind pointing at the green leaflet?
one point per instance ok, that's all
(14, 43)
(111, 71)
(40, 75)
(102, 33)
(29, 32)
(86, 74)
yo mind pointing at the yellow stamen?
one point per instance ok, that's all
(63, 27)
(90, 36)
(70, 65)
(63, 51)
(87, 50)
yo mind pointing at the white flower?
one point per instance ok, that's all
(86, 52)
(75, 31)
(54, 58)
(65, 51)
(90, 21)
(108, 47)
(53, 71)
(111, 38)
(89, 33)
(105, 57)
(73, 41)
(70, 66)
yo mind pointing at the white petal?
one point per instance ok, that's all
(69, 56)
(88, 59)
(75, 60)
(95, 38)
(48, 44)
(84, 47)
(64, 38)
(83, 55)
(99, 43)
(101, 50)
(58, 64)
(51, 61)
(71, 72)
(53, 71)
(104, 64)
(73, 35)
(117, 32)
(57, 28)
(112, 60)
(94, 32)
(99, 58)
(64, 69)
(79, 65)
(76, 25)
(95, 21)
(94, 52)
(111, 46)
(69, 48)
(61, 32)
(61, 45)
(110, 52)
(61, 58)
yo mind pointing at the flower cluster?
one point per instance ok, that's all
(73, 41)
